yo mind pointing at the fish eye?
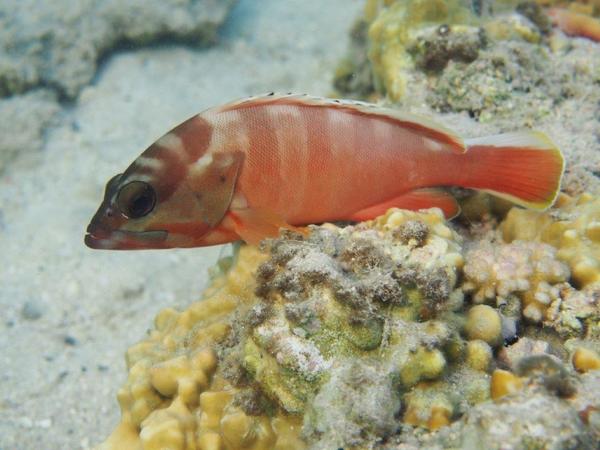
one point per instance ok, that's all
(136, 199)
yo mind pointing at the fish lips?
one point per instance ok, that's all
(100, 238)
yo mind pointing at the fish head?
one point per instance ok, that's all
(165, 199)
(123, 220)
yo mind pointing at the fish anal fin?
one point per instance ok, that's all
(254, 225)
(414, 200)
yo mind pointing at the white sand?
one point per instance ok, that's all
(60, 372)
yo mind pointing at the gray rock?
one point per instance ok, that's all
(357, 405)
(32, 310)
(537, 420)
(510, 356)
(59, 43)
(23, 119)
(533, 418)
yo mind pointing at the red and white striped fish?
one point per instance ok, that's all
(245, 169)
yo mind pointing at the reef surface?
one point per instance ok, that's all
(392, 333)
(506, 70)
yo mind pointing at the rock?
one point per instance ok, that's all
(511, 355)
(60, 43)
(358, 401)
(542, 421)
(23, 120)
(70, 340)
(32, 310)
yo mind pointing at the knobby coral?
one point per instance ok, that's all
(177, 395)
(574, 229)
(324, 340)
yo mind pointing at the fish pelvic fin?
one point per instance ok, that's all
(254, 225)
(524, 167)
(414, 200)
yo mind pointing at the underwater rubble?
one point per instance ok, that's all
(51, 48)
(49, 51)
(394, 333)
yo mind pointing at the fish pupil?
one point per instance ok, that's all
(136, 199)
(141, 205)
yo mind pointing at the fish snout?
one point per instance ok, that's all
(97, 235)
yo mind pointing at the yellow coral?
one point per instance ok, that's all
(443, 245)
(175, 397)
(337, 319)
(393, 28)
(423, 364)
(585, 360)
(504, 383)
(182, 392)
(432, 404)
(574, 229)
(484, 323)
(400, 31)
(529, 270)
(428, 407)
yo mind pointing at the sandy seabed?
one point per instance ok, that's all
(69, 313)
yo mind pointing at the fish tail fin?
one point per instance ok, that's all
(524, 167)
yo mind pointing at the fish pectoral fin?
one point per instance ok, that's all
(254, 225)
(414, 200)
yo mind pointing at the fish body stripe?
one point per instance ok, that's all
(308, 161)
(166, 163)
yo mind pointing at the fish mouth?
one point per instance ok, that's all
(104, 239)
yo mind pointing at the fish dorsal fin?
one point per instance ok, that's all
(421, 124)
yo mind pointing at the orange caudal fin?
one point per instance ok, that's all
(415, 200)
(523, 167)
